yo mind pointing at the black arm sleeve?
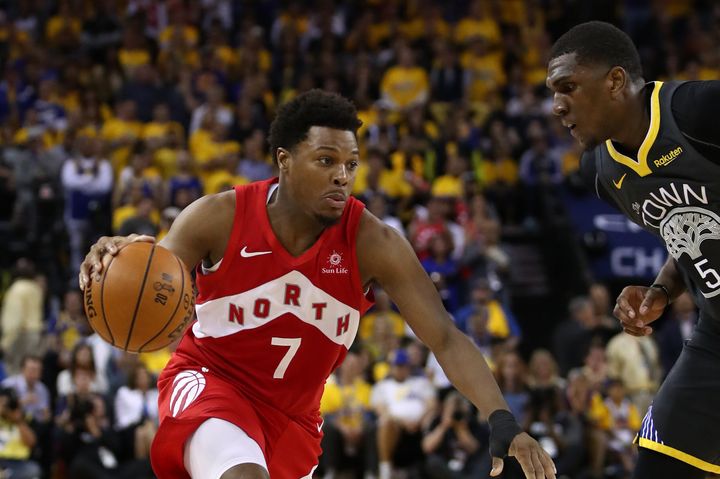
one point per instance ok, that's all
(695, 105)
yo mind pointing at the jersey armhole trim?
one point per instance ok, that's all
(597, 186)
(358, 210)
(217, 270)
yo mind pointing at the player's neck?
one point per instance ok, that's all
(295, 229)
(632, 132)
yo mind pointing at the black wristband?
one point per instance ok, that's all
(664, 290)
(503, 429)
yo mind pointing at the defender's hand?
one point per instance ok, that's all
(102, 252)
(535, 462)
(638, 306)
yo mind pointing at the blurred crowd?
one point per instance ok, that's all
(117, 114)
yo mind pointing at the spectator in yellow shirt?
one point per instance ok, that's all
(484, 72)
(16, 439)
(345, 406)
(157, 132)
(213, 155)
(128, 206)
(450, 183)
(133, 51)
(64, 29)
(121, 132)
(179, 26)
(406, 84)
(383, 307)
(178, 52)
(226, 177)
(477, 23)
(373, 176)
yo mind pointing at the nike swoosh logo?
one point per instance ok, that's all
(618, 184)
(247, 254)
(321, 425)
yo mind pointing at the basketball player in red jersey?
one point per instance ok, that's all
(282, 266)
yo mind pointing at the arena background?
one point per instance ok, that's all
(115, 115)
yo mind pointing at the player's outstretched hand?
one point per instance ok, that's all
(638, 306)
(101, 253)
(535, 462)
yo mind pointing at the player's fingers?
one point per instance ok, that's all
(497, 466)
(105, 261)
(627, 321)
(623, 306)
(548, 465)
(654, 298)
(526, 463)
(621, 315)
(84, 276)
(96, 266)
(143, 238)
(537, 467)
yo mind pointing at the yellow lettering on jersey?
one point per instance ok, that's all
(668, 157)
(640, 165)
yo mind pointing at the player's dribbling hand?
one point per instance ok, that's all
(535, 462)
(101, 253)
(638, 306)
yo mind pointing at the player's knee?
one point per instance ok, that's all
(246, 471)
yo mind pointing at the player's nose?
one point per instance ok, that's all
(559, 107)
(341, 175)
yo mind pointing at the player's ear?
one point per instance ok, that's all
(617, 79)
(283, 158)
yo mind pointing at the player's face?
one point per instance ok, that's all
(321, 171)
(581, 99)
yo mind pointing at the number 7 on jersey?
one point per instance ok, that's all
(293, 344)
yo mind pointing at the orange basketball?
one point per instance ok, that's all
(143, 300)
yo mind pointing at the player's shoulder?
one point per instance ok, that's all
(374, 233)
(208, 215)
(381, 249)
(689, 96)
(216, 203)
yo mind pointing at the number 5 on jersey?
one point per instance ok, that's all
(713, 281)
(293, 344)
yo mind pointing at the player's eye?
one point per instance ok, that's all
(568, 87)
(325, 160)
(353, 165)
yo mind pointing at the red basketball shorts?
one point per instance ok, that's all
(191, 395)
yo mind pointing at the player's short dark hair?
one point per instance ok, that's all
(600, 43)
(312, 108)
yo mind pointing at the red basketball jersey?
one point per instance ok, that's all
(272, 324)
